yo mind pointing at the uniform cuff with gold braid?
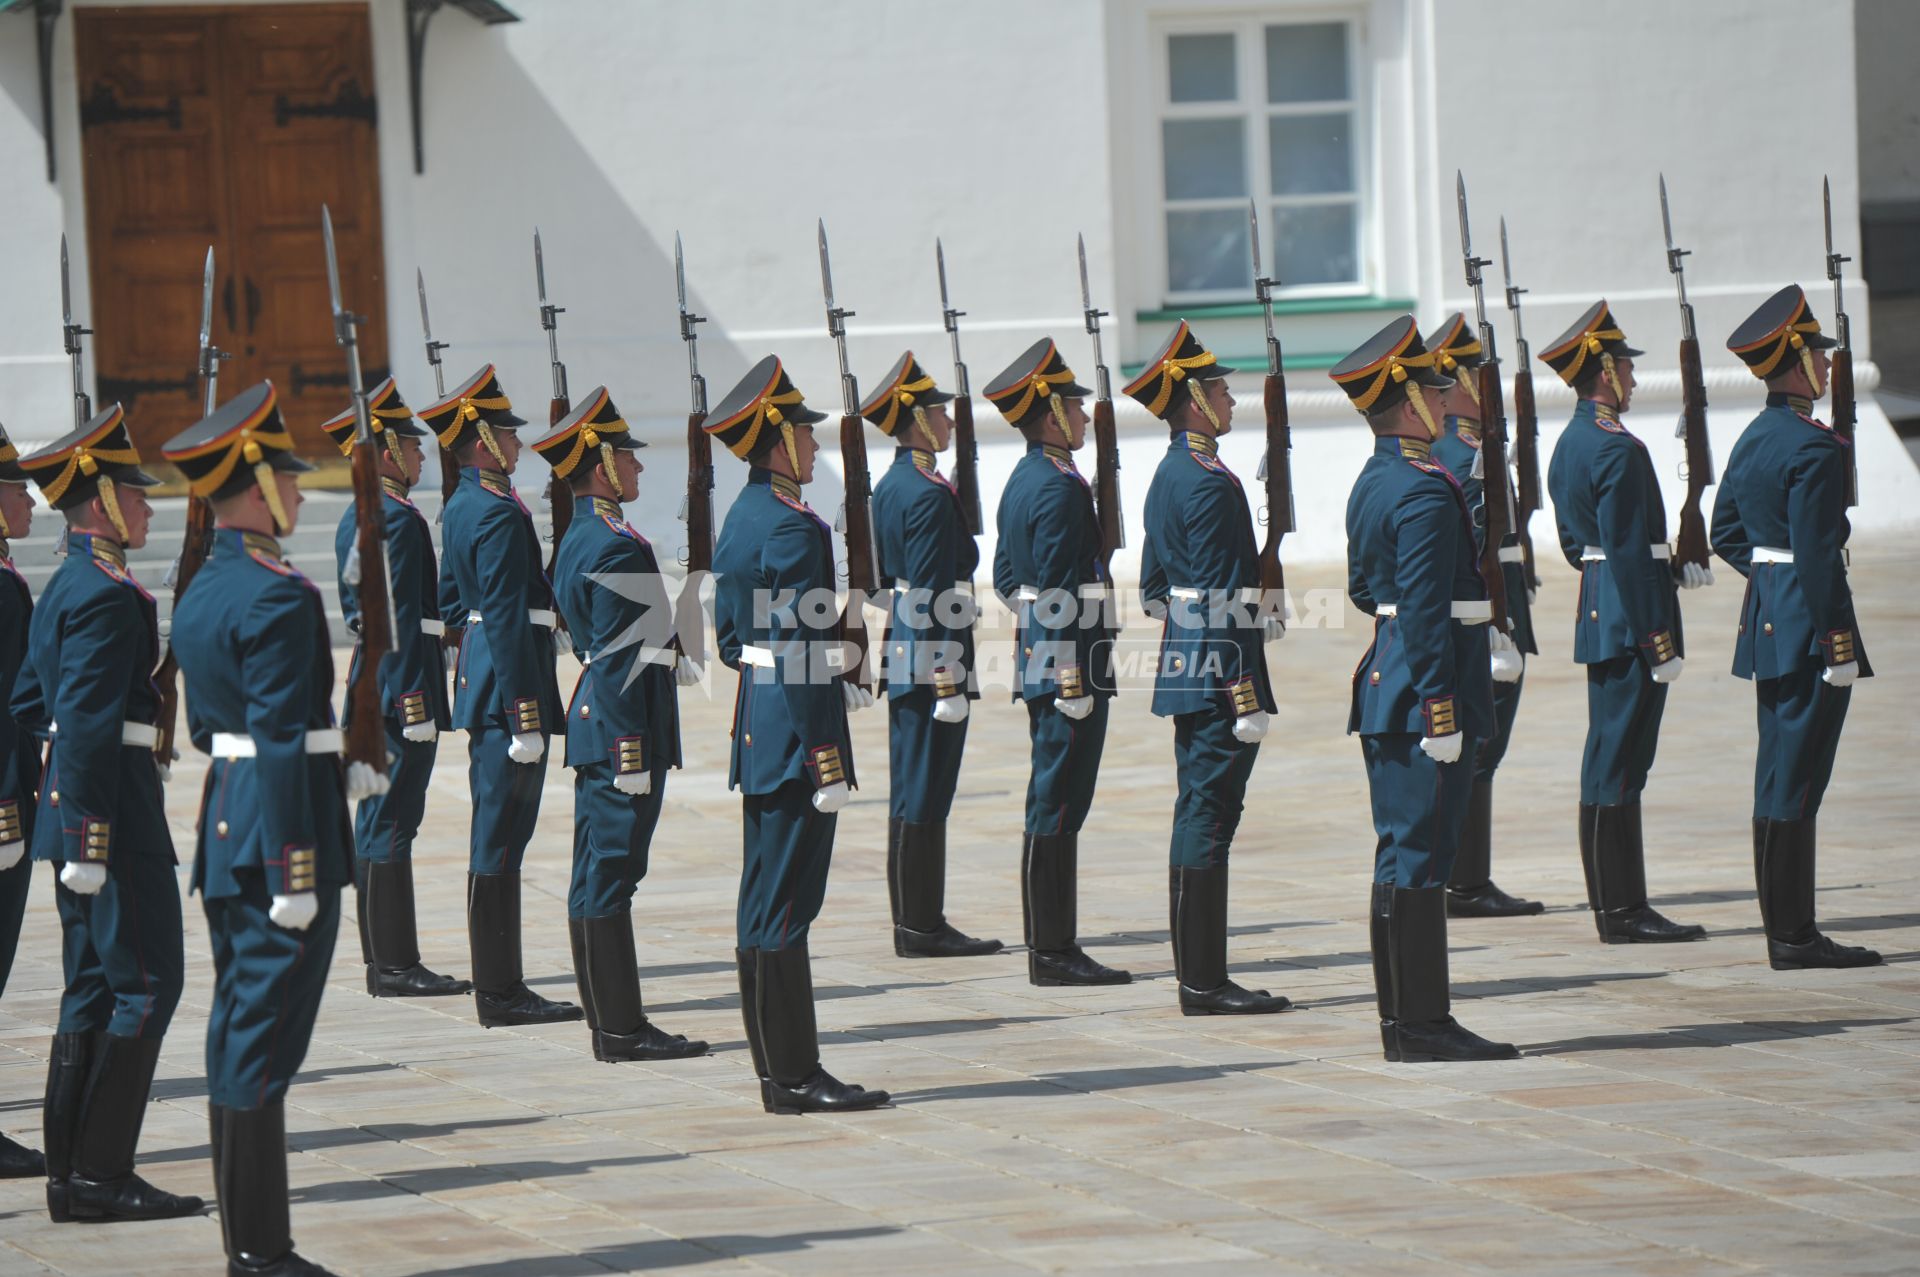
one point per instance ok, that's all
(1438, 712)
(1661, 644)
(630, 755)
(10, 827)
(526, 715)
(946, 684)
(299, 863)
(824, 762)
(413, 708)
(1246, 696)
(1839, 647)
(95, 837)
(1071, 685)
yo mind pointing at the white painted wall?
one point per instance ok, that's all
(1008, 126)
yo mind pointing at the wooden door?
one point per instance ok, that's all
(229, 126)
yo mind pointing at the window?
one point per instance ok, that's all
(1267, 112)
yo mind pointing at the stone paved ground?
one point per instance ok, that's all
(1679, 1110)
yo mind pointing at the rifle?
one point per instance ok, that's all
(1840, 374)
(1276, 463)
(856, 519)
(1106, 444)
(198, 542)
(449, 467)
(697, 508)
(1496, 493)
(1526, 420)
(366, 726)
(70, 335)
(559, 501)
(966, 452)
(1691, 545)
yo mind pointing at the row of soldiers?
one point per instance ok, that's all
(1433, 703)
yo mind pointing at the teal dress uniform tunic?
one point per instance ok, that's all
(1458, 449)
(1046, 564)
(775, 623)
(1410, 562)
(1200, 564)
(1784, 493)
(624, 716)
(251, 637)
(1613, 529)
(19, 760)
(91, 649)
(413, 678)
(928, 556)
(490, 566)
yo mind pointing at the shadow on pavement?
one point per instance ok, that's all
(671, 1252)
(934, 1028)
(181, 1088)
(1090, 1081)
(1717, 1034)
(441, 1179)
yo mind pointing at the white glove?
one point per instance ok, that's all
(420, 732)
(857, 697)
(634, 782)
(165, 770)
(1533, 595)
(1507, 662)
(1695, 575)
(831, 798)
(1443, 749)
(950, 709)
(363, 782)
(1836, 675)
(527, 747)
(687, 671)
(1077, 708)
(1670, 671)
(1272, 627)
(1249, 728)
(83, 879)
(10, 853)
(295, 912)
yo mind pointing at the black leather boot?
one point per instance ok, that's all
(1423, 1027)
(1759, 860)
(17, 1161)
(217, 1151)
(68, 1066)
(1049, 880)
(392, 939)
(1589, 822)
(1786, 895)
(1620, 877)
(577, 942)
(747, 966)
(360, 868)
(795, 1081)
(1198, 898)
(621, 1030)
(917, 884)
(1471, 892)
(501, 996)
(1379, 917)
(253, 1196)
(103, 1184)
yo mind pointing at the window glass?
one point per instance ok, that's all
(1207, 250)
(1316, 243)
(1200, 68)
(1311, 154)
(1307, 62)
(1205, 159)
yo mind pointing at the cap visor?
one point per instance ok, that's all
(801, 415)
(1820, 341)
(504, 419)
(1624, 351)
(135, 477)
(289, 463)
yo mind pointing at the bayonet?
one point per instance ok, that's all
(966, 450)
(1696, 467)
(856, 516)
(951, 319)
(1840, 370)
(210, 355)
(1676, 265)
(688, 319)
(1276, 461)
(1843, 328)
(1093, 317)
(837, 329)
(1513, 298)
(71, 335)
(426, 332)
(1106, 440)
(549, 320)
(1497, 499)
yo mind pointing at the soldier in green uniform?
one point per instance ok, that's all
(19, 754)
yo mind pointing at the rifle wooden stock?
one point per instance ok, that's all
(366, 724)
(193, 554)
(1106, 484)
(862, 572)
(966, 464)
(1279, 486)
(559, 495)
(689, 619)
(1494, 490)
(1526, 461)
(1840, 376)
(1691, 544)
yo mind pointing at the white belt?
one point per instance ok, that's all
(142, 735)
(535, 615)
(1247, 594)
(320, 740)
(760, 656)
(1771, 554)
(1512, 554)
(1466, 611)
(1026, 594)
(1594, 554)
(430, 626)
(902, 585)
(647, 656)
